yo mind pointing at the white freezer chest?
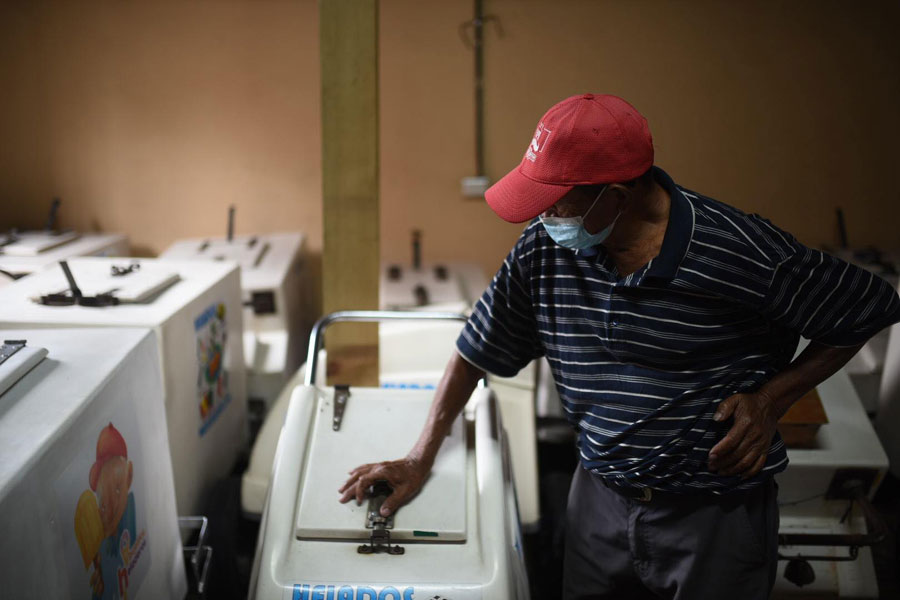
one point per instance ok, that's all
(35, 251)
(460, 535)
(86, 485)
(276, 297)
(404, 287)
(195, 311)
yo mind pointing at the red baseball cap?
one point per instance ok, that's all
(583, 140)
(109, 445)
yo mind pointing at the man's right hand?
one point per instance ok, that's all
(406, 476)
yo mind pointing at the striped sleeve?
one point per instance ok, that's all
(501, 335)
(826, 299)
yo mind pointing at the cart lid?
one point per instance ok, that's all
(87, 244)
(195, 279)
(247, 251)
(265, 259)
(379, 424)
(32, 243)
(144, 280)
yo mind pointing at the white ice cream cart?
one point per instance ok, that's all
(195, 310)
(459, 538)
(276, 297)
(86, 486)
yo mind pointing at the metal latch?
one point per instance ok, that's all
(117, 271)
(9, 348)
(380, 538)
(341, 395)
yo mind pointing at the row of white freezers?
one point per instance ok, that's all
(195, 312)
(192, 313)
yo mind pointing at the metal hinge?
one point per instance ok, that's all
(75, 296)
(380, 538)
(117, 271)
(341, 394)
(9, 348)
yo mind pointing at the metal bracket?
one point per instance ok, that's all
(341, 395)
(9, 348)
(855, 490)
(198, 555)
(421, 294)
(380, 539)
(75, 296)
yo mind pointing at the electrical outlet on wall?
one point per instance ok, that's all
(474, 186)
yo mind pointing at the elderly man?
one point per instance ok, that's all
(670, 321)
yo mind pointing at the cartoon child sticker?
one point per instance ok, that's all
(105, 524)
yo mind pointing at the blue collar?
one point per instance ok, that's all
(678, 232)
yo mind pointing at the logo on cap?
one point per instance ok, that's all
(538, 143)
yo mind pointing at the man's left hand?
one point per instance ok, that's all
(744, 449)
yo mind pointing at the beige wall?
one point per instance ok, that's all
(152, 117)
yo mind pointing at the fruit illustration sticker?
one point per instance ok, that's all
(106, 549)
(212, 380)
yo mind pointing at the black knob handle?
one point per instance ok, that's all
(799, 572)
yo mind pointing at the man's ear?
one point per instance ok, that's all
(130, 473)
(621, 195)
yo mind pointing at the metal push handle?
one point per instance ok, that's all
(368, 316)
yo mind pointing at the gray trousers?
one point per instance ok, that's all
(675, 547)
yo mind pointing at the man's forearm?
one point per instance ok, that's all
(814, 365)
(456, 386)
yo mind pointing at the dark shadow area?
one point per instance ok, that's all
(886, 555)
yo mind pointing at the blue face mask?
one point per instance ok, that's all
(569, 232)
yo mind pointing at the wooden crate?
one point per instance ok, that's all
(799, 425)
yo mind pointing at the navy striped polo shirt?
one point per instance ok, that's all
(641, 362)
